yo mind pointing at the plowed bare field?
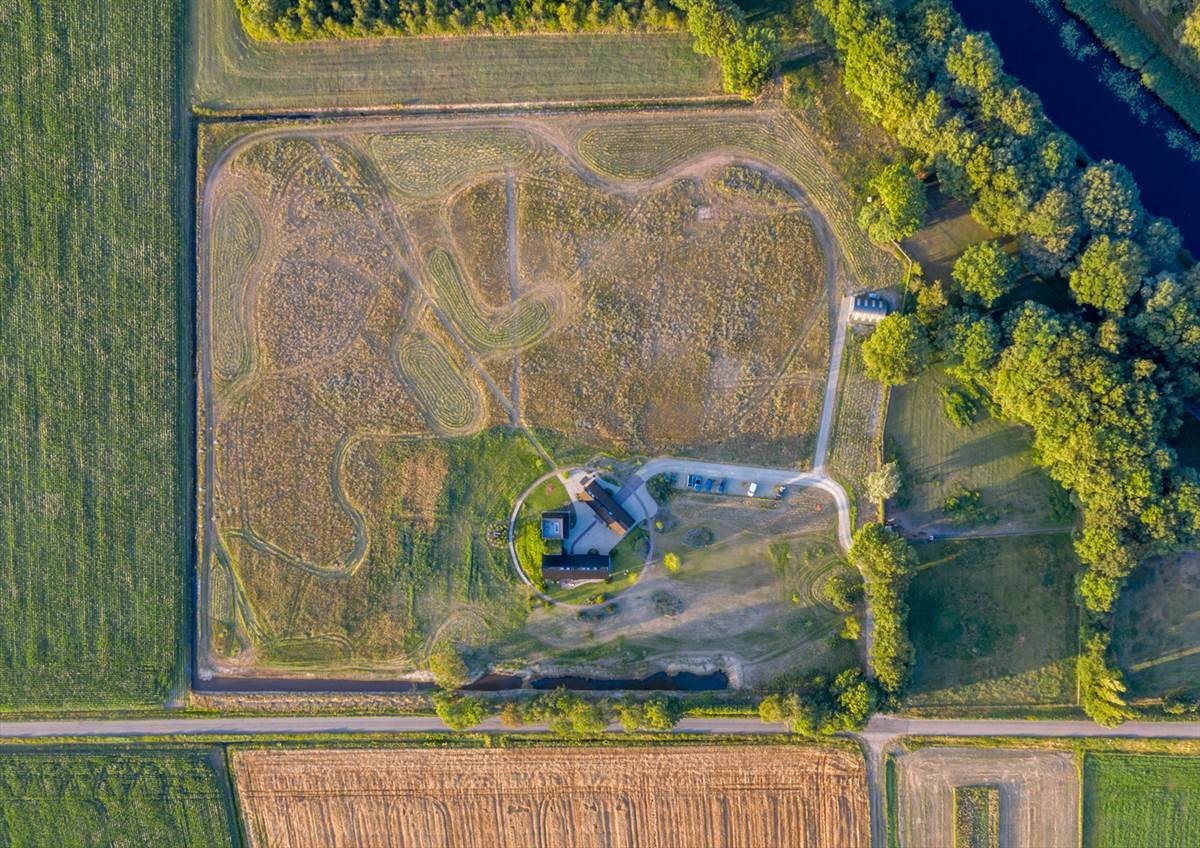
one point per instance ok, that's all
(562, 797)
(1039, 795)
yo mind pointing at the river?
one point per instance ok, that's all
(1078, 81)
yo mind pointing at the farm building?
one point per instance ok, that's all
(607, 509)
(869, 308)
(577, 567)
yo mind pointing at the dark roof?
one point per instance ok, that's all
(871, 303)
(606, 507)
(575, 566)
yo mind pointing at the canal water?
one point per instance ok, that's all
(1093, 98)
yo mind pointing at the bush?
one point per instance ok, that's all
(459, 712)
(671, 562)
(965, 506)
(658, 712)
(449, 669)
(843, 590)
(569, 715)
(958, 406)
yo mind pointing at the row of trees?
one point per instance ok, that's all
(823, 706)
(1102, 385)
(746, 53)
(566, 713)
(300, 20)
(887, 563)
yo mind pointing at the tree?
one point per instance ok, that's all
(660, 488)
(568, 714)
(843, 590)
(1050, 231)
(884, 483)
(1109, 200)
(747, 53)
(1189, 31)
(985, 272)
(659, 712)
(897, 208)
(1110, 271)
(886, 561)
(897, 351)
(449, 669)
(459, 712)
(1101, 689)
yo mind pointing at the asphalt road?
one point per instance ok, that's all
(278, 725)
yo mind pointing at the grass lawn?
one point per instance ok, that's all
(1140, 800)
(233, 72)
(628, 559)
(70, 798)
(91, 513)
(993, 457)
(993, 622)
(1157, 626)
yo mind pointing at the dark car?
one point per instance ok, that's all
(708, 484)
(721, 485)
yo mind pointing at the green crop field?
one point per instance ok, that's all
(1156, 631)
(994, 622)
(64, 799)
(90, 506)
(1140, 799)
(233, 72)
(991, 457)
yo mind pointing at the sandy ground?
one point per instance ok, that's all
(1039, 795)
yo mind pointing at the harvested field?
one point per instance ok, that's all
(580, 797)
(383, 296)
(1038, 795)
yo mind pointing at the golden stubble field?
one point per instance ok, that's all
(562, 797)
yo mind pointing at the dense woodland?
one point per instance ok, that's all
(1104, 384)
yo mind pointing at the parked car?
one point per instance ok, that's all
(708, 485)
(751, 489)
(721, 485)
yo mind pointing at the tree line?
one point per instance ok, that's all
(746, 53)
(1103, 384)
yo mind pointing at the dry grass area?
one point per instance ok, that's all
(562, 797)
(403, 321)
(1039, 794)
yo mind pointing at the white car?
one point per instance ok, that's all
(751, 489)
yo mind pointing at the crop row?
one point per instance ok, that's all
(424, 163)
(448, 399)
(529, 319)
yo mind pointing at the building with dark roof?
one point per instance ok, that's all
(607, 509)
(870, 308)
(577, 567)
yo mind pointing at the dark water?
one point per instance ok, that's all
(1077, 80)
(300, 684)
(682, 681)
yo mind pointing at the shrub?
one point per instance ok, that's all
(671, 562)
(449, 669)
(459, 712)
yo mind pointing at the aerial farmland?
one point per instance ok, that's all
(601, 422)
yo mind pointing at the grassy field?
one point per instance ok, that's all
(1140, 799)
(994, 622)
(938, 459)
(90, 506)
(1157, 626)
(854, 438)
(367, 326)
(67, 799)
(585, 797)
(234, 73)
(1038, 795)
